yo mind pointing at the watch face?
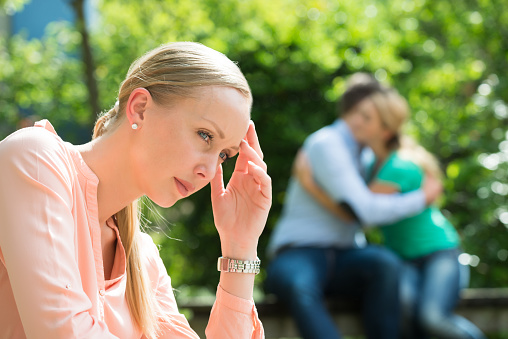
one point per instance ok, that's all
(223, 264)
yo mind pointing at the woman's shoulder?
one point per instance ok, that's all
(152, 260)
(37, 152)
(150, 250)
(42, 138)
(401, 171)
(398, 161)
(147, 243)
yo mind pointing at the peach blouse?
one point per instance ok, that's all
(51, 272)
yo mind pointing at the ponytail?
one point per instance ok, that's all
(411, 150)
(140, 296)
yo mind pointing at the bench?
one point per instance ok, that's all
(485, 307)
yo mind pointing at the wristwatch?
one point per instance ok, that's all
(239, 266)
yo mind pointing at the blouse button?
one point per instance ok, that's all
(68, 286)
(102, 293)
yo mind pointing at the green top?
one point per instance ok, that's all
(423, 233)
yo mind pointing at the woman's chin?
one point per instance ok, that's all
(169, 200)
(165, 202)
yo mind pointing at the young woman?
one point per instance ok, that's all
(427, 242)
(74, 263)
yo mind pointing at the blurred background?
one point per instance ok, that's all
(63, 60)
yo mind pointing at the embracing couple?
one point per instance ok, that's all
(358, 172)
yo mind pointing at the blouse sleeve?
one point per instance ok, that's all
(37, 238)
(175, 325)
(231, 317)
(234, 318)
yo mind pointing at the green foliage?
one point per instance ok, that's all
(449, 60)
(43, 79)
(12, 6)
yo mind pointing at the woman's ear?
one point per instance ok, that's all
(136, 106)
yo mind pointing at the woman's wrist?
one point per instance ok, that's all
(237, 251)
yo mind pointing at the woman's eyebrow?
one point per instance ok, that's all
(220, 132)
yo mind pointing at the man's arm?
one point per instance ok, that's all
(334, 170)
(303, 173)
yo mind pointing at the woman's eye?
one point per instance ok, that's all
(223, 156)
(206, 137)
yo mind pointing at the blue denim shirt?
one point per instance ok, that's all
(335, 159)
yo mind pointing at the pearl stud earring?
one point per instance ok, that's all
(134, 126)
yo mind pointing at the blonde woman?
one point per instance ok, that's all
(74, 263)
(427, 242)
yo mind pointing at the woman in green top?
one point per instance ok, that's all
(427, 242)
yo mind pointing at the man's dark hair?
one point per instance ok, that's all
(358, 87)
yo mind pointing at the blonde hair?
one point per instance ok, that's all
(168, 72)
(394, 112)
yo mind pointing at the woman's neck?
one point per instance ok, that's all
(381, 151)
(107, 157)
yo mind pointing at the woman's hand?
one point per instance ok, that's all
(241, 209)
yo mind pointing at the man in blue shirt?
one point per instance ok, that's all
(316, 254)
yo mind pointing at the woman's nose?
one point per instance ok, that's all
(206, 170)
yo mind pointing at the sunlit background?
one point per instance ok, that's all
(449, 59)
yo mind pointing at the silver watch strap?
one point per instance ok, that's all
(239, 266)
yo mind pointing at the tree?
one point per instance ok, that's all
(447, 59)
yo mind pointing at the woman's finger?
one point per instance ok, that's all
(217, 183)
(253, 140)
(247, 153)
(262, 179)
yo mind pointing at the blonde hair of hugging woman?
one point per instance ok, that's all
(73, 261)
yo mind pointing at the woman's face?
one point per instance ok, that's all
(181, 146)
(366, 124)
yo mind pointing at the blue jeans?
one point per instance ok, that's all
(303, 277)
(430, 289)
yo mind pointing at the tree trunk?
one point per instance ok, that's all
(87, 56)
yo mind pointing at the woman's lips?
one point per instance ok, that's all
(184, 187)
